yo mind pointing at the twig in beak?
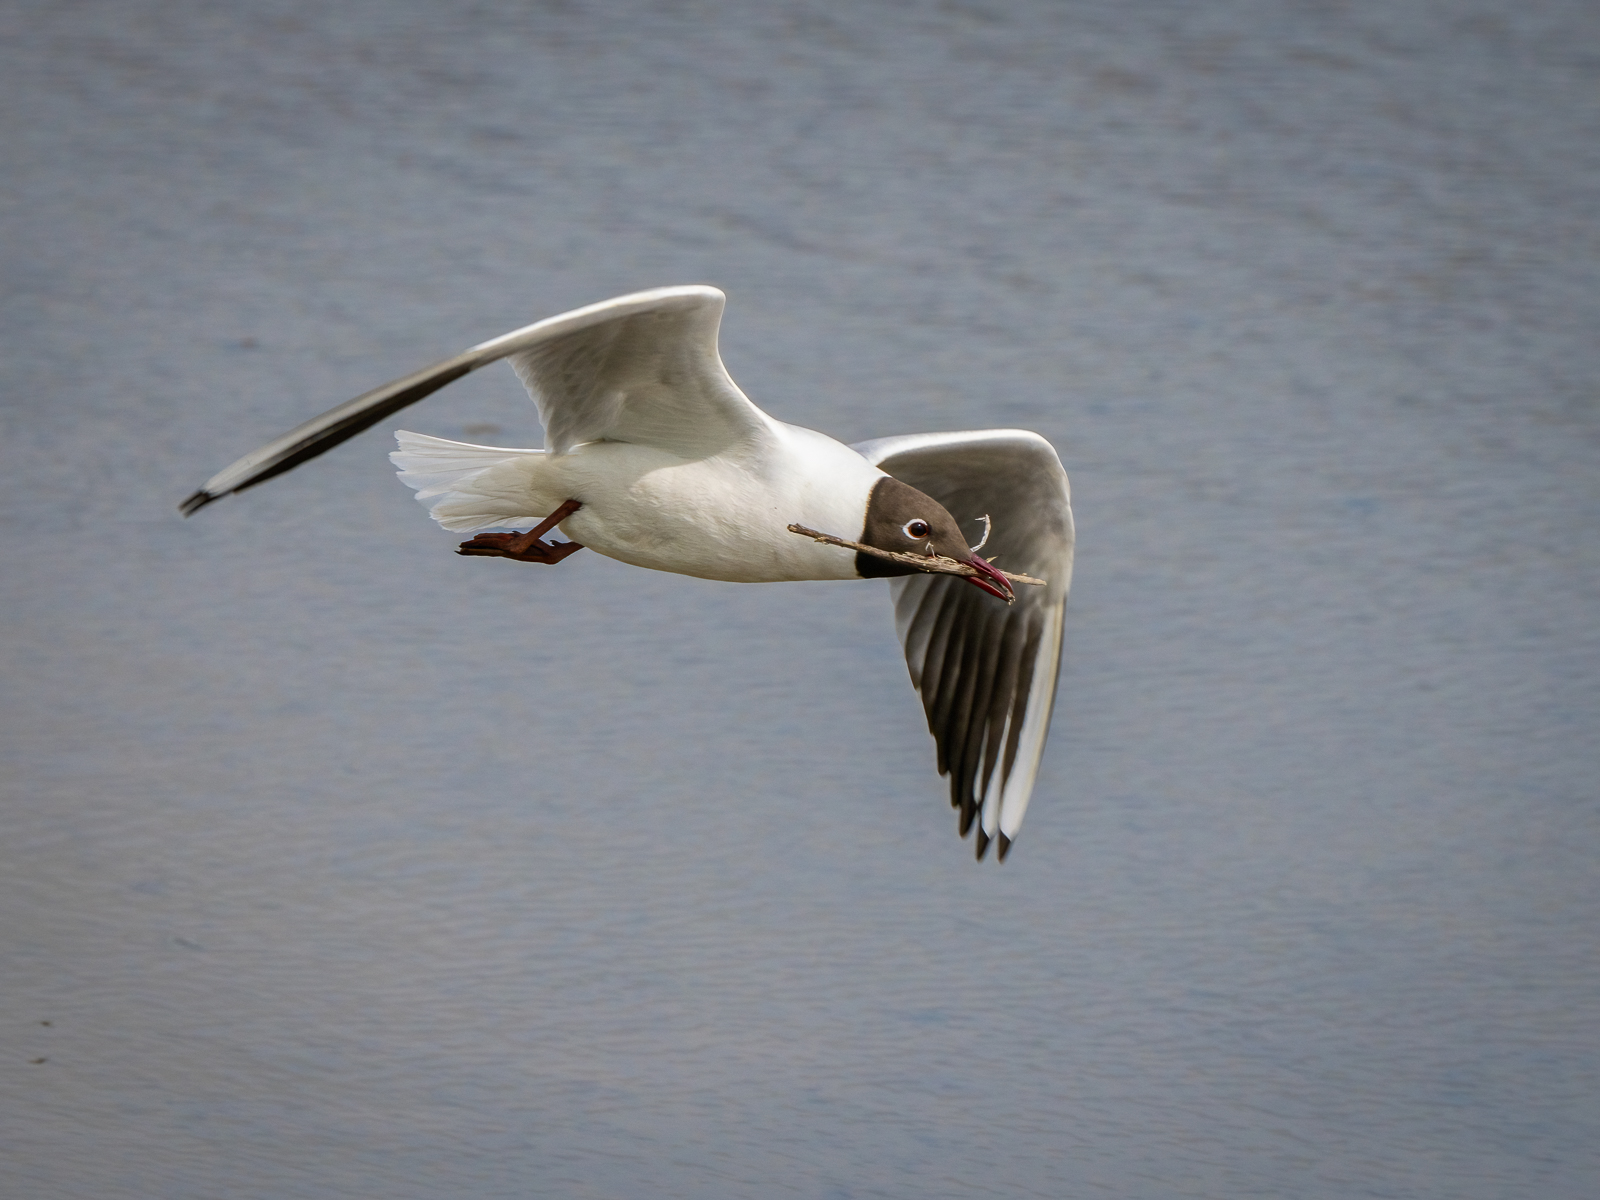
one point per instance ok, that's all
(935, 564)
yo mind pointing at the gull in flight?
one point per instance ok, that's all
(653, 456)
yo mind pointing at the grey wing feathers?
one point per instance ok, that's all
(649, 374)
(321, 434)
(987, 672)
(641, 368)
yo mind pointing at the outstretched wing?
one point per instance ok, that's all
(641, 368)
(987, 671)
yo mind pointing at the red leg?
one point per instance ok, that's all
(526, 547)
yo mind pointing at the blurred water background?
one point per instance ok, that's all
(336, 865)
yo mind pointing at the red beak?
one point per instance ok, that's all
(990, 580)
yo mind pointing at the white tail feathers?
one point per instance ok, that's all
(477, 486)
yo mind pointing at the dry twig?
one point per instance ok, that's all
(936, 563)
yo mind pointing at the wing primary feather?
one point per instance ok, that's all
(1040, 704)
(972, 716)
(1001, 699)
(993, 793)
(1019, 706)
(936, 670)
(196, 502)
(955, 724)
(919, 628)
(1003, 848)
(321, 434)
(954, 687)
(991, 786)
(937, 666)
(969, 810)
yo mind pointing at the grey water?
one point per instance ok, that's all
(333, 864)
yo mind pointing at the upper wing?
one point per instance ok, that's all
(987, 671)
(640, 368)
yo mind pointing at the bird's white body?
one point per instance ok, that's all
(724, 516)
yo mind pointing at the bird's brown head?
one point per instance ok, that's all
(905, 521)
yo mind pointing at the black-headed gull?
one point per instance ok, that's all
(654, 457)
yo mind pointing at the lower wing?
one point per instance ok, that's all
(987, 672)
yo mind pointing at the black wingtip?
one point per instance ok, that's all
(983, 842)
(1004, 848)
(196, 502)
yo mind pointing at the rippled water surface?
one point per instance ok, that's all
(336, 865)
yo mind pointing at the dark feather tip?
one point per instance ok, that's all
(196, 502)
(1004, 848)
(983, 842)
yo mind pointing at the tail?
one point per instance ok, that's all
(478, 486)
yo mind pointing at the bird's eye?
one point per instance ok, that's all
(916, 530)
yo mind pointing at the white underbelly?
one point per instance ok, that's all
(712, 518)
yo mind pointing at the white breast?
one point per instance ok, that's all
(721, 517)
